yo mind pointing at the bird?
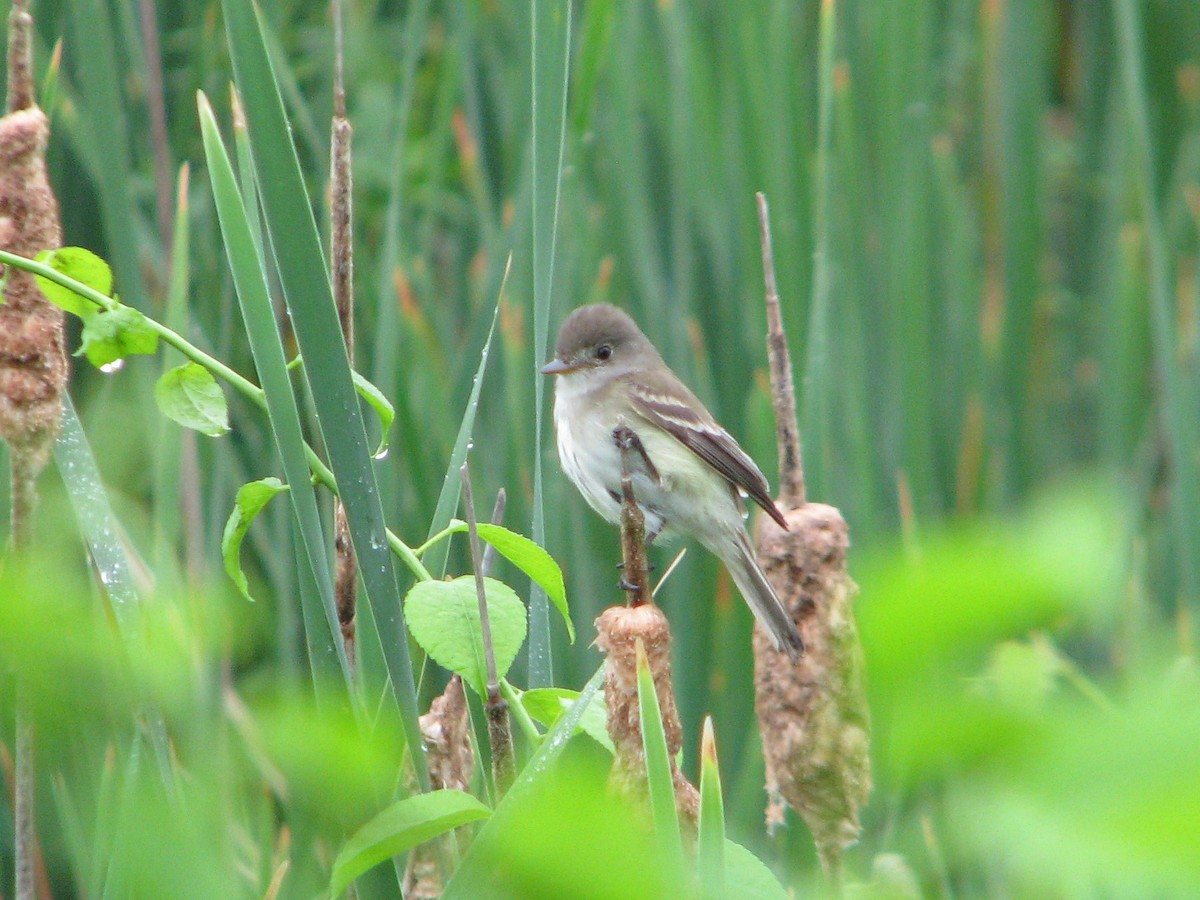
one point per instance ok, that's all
(688, 475)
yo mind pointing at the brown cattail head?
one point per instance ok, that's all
(813, 713)
(33, 362)
(619, 629)
(447, 736)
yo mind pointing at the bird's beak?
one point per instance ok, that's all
(558, 367)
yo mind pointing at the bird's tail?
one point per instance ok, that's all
(738, 557)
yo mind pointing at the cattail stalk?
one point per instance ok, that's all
(812, 714)
(342, 266)
(621, 630)
(33, 365)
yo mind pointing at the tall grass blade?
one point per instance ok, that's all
(1180, 398)
(550, 48)
(435, 559)
(322, 631)
(820, 451)
(659, 777)
(108, 131)
(94, 514)
(300, 261)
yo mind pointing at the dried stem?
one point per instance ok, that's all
(20, 57)
(621, 631)
(342, 265)
(812, 712)
(499, 726)
(33, 372)
(636, 577)
(489, 552)
(446, 732)
(783, 392)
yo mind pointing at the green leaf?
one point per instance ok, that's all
(476, 873)
(747, 877)
(189, 395)
(112, 335)
(443, 617)
(401, 826)
(531, 559)
(710, 842)
(251, 498)
(547, 706)
(660, 779)
(382, 406)
(82, 265)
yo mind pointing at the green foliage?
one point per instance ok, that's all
(660, 780)
(111, 330)
(548, 705)
(251, 498)
(189, 395)
(400, 827)
(83, 266)
(529, 558)
(444, 618)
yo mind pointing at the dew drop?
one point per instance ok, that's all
(382, 454)
(115, 366)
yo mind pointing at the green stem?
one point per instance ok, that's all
(405, 553)
(244, 386)
(513, 697)
(454, 527)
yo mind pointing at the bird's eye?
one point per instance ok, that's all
(603, 352)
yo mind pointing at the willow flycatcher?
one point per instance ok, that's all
(689, 471)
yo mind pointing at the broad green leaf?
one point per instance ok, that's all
(401, 826)
(531, 559)
(547, 706)
(109, 336)
(189, 395)
(82, 265)
(443, 617)
(251, 498)
(382, 406)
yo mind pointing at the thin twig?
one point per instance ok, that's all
(670, 570)
(783, 391)
(489, 553)
(499, 727)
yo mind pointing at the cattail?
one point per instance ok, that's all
(446, 733)
(33, 362)
(620, 628)
(812, 713)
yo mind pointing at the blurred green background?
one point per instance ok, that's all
(985, 222)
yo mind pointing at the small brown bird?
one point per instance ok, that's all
(689, 479)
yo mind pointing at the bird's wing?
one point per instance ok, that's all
(676, 410)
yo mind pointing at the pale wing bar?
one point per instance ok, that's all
(708, 440)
